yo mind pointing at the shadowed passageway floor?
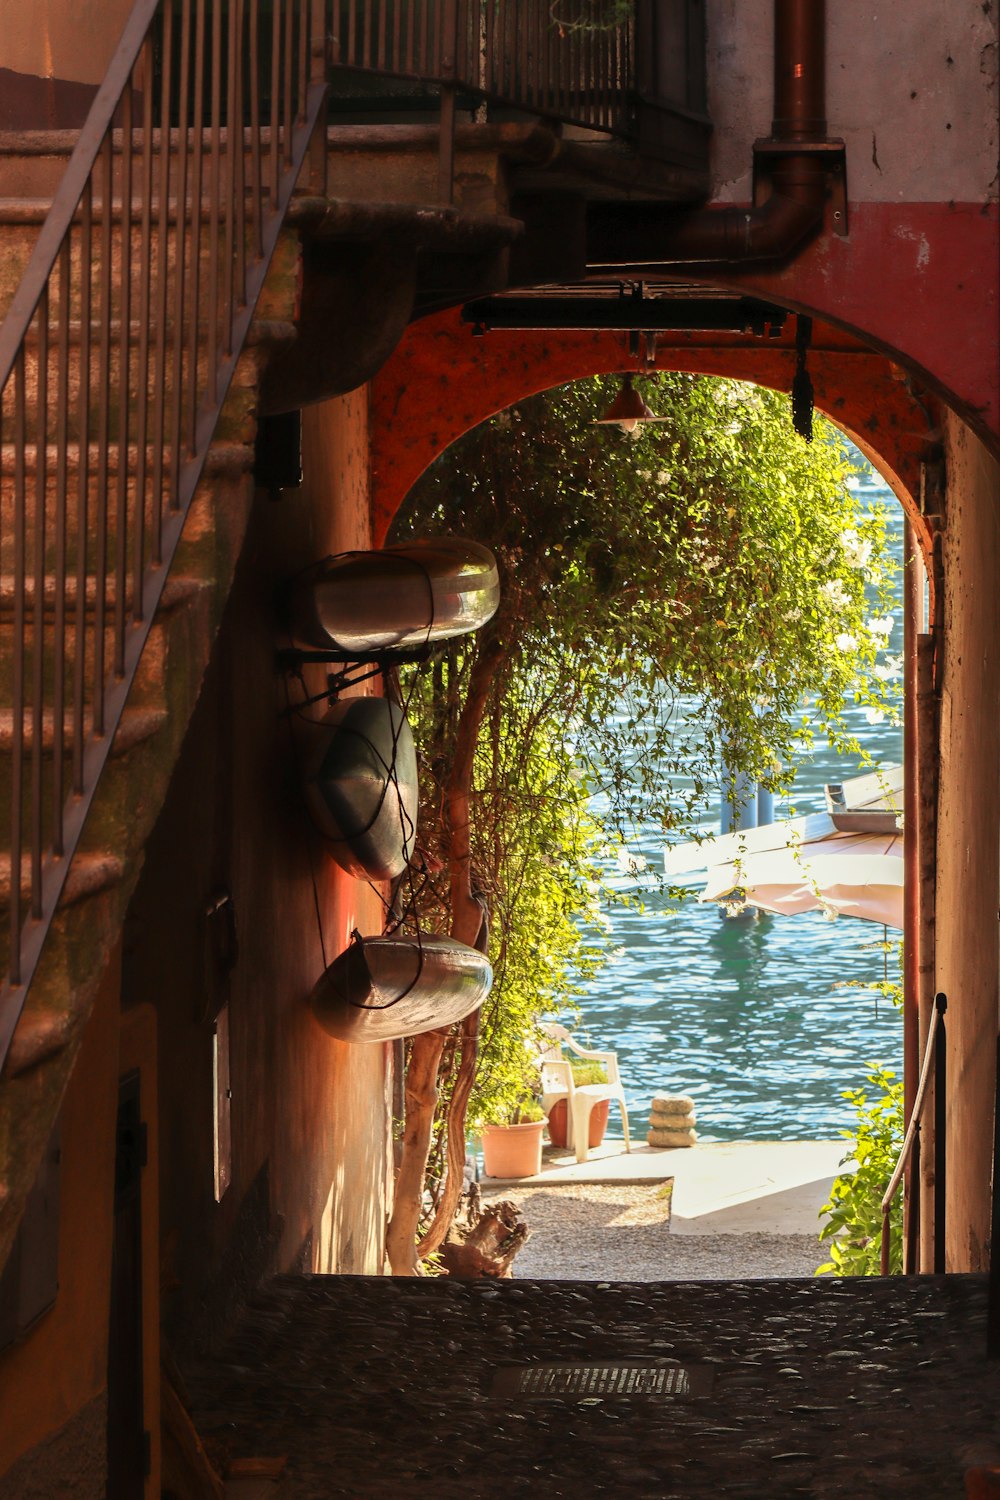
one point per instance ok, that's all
(376, 1387)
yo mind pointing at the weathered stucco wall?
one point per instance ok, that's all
(52, 1382)
(71, 39)
(310, 1117)
(911, 89)
(968, 869)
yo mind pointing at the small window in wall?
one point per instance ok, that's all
(223, 1104)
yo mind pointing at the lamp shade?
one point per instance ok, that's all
(383, 988)
(360, 783)
(364, 603)
(628, 409)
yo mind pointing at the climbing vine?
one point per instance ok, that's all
(701, 588)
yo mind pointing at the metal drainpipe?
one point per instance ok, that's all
(913, 599)
(660, 235)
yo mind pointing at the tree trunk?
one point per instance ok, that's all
(487, 1245)
(421, 1100)
(425, 1051)
(455, 1158)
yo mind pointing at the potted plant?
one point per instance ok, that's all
(512, 1146)
(583, 1073)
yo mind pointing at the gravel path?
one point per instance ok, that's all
(587, 1232)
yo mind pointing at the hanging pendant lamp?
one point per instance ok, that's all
(628, 411)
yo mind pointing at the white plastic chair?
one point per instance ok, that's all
(557, 1083)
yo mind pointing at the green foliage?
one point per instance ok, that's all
(662, 599)
(591, 15)
(588, 1072)
(854, 1228)
(525, 1110)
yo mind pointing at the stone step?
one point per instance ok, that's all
(232, 424)
(227, 464)
(89, 874)
(147, 684)
(32, 162)
(137, 725)
(122, 776)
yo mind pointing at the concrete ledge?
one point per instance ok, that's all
(720, 1187)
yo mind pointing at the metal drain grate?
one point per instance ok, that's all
(590, 1381)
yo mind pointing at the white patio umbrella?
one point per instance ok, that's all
(809, 864)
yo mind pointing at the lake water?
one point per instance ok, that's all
(752, 1018)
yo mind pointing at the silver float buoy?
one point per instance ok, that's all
(363, 604)
(383, 988)
(360, 783)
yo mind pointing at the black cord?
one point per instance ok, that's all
(802, 386)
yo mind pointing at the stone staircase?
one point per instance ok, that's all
(131, 790)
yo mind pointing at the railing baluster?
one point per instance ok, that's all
(289, 76)
(103, 436)
(238, 147)
(256, 182)
(381, 60)
(142, 373)
(195, 246)
(59, 569)
(17, 683)
(124, 383)
(234, 135)
(213, 270)
(38, 628)
(83, 483)
(275, 159)
(180, 255)
(162, 284)
(303, 84)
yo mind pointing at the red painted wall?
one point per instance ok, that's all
(310, 1116)
(443, 380)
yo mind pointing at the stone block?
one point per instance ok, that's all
(671, 1139)
(672, 1104)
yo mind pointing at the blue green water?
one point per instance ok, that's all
(752, 1019)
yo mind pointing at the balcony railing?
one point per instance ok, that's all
(632, 69)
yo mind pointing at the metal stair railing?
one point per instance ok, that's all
(116, 356)
(568, 60)
(936, 1057)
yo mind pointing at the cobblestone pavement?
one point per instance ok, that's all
(380, 1387)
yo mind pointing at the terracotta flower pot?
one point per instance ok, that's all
(598, 1123)
(513, 1150)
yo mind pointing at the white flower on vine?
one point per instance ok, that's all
(874, 716)
(881, 625)
(836, 593)
(793, 616)
(888, 670)
(845, 641)
(857, 549)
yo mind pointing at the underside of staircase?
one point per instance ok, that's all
(104, 870)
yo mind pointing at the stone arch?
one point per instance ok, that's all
(442, 381)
